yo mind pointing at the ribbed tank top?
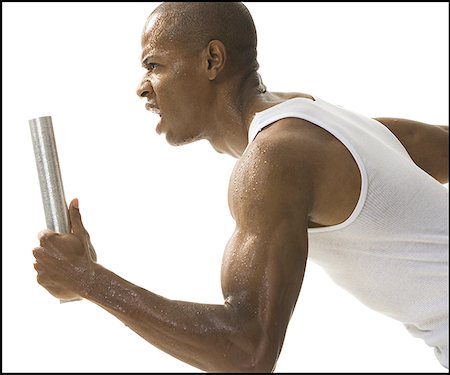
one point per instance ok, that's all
(392, 252)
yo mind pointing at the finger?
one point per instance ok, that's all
(75, 218)
(37, 252)
(44, 236)
(77, 223)
(45, 255)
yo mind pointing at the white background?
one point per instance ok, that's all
(158, 214)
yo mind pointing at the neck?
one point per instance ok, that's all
(236, 106)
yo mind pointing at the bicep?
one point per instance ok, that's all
(426, 144)
(264, 262)
(262, 274)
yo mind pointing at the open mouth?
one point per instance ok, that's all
(151, 108)
(154, 109)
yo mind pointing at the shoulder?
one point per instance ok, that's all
(287, 145)
(290, 143)
(278, 168)
(288, 134)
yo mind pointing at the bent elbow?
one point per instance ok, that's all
(261, 359)
(261, 366)
(249, 365)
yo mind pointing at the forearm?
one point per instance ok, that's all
(202, 335)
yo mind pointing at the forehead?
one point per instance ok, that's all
(155, 38)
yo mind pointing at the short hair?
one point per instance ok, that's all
(194, 24)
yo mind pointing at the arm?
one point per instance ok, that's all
(262, 272)
(426, 144)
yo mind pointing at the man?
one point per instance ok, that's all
(361, 197)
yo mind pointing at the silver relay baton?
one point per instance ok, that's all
(49, 173)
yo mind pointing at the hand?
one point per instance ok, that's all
(64, 261)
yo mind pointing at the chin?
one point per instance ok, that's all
(180, 141)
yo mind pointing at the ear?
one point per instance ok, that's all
(216, 56)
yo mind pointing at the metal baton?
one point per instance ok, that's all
(55, 206)
(52, 191)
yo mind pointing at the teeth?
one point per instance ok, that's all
(152, 109)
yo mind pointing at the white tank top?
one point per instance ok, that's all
(392, 252)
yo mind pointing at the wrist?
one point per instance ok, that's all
(86, 280)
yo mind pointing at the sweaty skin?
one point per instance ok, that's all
(294, 175)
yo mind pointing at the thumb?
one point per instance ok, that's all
(78, 228)
(75, 218)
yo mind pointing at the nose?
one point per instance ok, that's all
(144, 88)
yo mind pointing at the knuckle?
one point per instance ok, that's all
(38, 252)
(45, 236)
(40, 279)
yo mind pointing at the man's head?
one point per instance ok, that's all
(191, 51)
(193, 25)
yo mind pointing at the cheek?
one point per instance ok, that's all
(155, 82)
(181, 95)
(164, 87)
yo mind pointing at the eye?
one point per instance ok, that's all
(151, 66)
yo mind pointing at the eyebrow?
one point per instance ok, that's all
(148, 59)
